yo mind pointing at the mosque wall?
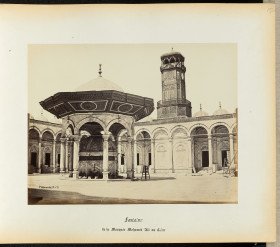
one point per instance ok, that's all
(177, 149)
(169, 146)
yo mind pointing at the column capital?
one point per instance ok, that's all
(130, 139)
(63, 139)
(76, 138)
(231, 135)
(105, 137)
(189, 138)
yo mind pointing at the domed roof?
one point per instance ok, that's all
(99, 84)
(220, 111)
(171, 53)
(200, 113)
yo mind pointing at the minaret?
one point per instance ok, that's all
(174, 102)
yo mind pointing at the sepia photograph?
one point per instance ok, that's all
(132, 123)
(138, 123)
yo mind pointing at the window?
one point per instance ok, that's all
(138, 158)
(150, 159)
(33, 159)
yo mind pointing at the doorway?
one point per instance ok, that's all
(34, 159)
(205, 159)
(224, 157)
(47, 159)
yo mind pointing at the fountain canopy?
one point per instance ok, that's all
(98, 96)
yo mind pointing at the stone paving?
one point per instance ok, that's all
(162, 188)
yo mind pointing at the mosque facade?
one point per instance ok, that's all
(102, 136)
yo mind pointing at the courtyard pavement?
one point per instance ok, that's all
(162, 188)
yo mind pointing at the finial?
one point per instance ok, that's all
(171, 48)
(220, 105)
(200, 107)
(100, 70)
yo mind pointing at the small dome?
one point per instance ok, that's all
(220, 111)
(200, 114)
(99, 84)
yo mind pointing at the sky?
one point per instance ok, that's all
(211, 71)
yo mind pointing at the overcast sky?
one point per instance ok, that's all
(211, 71)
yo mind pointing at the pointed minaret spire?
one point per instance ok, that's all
(220, 105)
(171, 48)
(100, 70)
(200, 107)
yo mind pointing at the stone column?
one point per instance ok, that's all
(62, 153)
(39, 155)
(192, 153)
(66, 155)
(53, 157)
(119, 154)
(105, 156)
(231, 161)
(129, 165)
(76, 146)
(189, 157)
(171, 154)
(135, 155)
(211, 165)
(153, 163)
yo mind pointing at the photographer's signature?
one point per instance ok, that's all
(49, 187)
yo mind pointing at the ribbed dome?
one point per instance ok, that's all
(200, 114)
(99, 84)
